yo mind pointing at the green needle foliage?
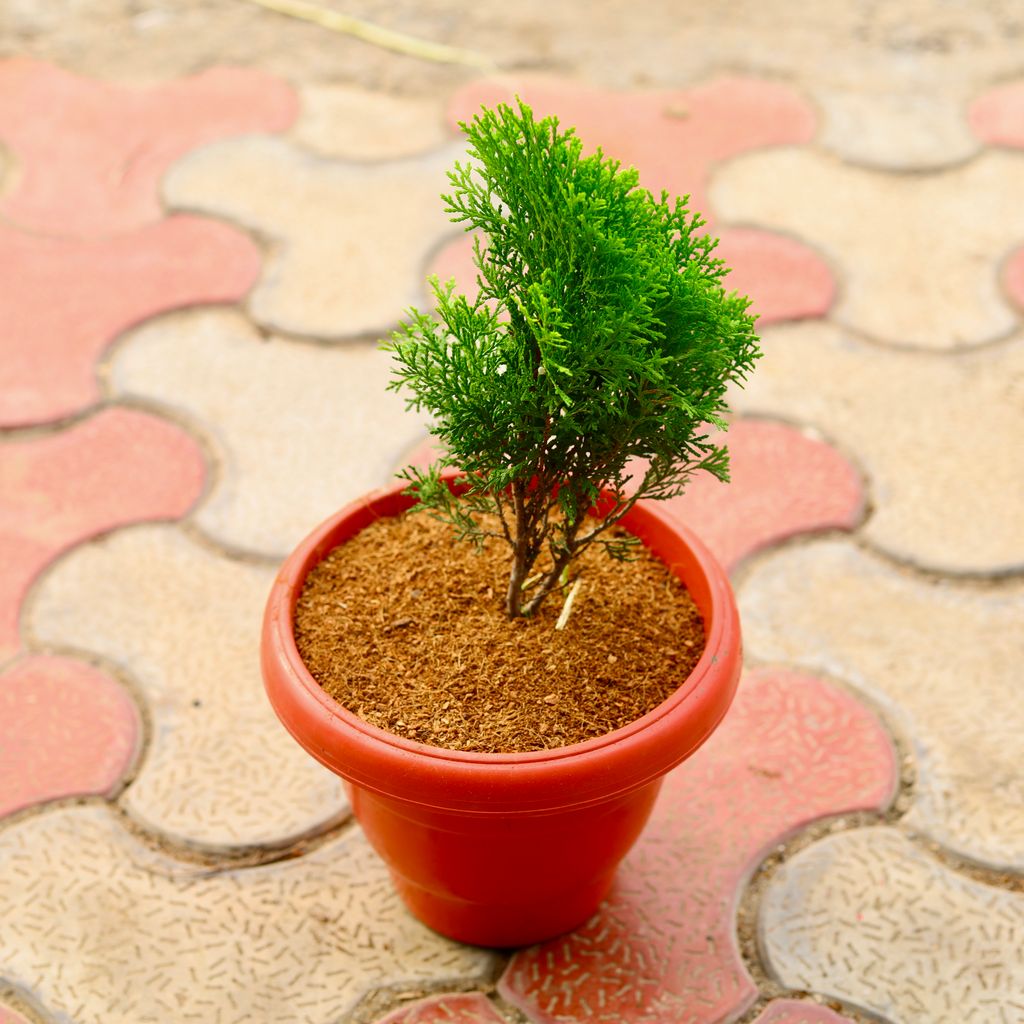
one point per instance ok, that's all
(601, 334)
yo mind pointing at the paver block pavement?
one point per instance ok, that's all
(140, 937)
(349, 240)
(919, 253)
(300, 429)
(220, 773)
(997, 115)
(943, 658)
(675, 139)
(794, 1011)
(868, 917)
(9, 1016)
(358, 124)
(461, 1008)
(782, 483)
(66, 729)
(937, 438)
(91, 153)
(1013, 278)
(662, 947)
(75, 296)
(117, 467)
(898, 129)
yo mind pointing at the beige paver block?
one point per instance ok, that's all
(868, 917)
(299, 429)
(942, 658)
(183, 621)
(919, 253)
(903, 128)
(939, 436)
(104, 930)
(348, 241)
(359, 124)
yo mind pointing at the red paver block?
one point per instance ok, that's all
(675, 138)
(117, 467)
(462, 1008)
(997, 116)
(92, 153)
(782, 483)
(74, 297)
(66, 729)
(1013, 278)
(794, 1011)
(662, 948)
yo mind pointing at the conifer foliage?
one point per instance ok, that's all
(601, 334)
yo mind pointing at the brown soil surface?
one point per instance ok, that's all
(405, 627)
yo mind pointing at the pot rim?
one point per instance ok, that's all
(704, 695)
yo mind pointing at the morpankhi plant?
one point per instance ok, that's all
(601, 339)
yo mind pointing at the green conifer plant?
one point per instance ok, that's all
(601, 334)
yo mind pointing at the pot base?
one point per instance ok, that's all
(504, 925)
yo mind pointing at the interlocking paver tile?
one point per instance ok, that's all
(782, 483)
(793, 1011)
(997, 116)
(461, 1008)
(357, 124)
(919, 253)
(183, 621)
(66, 729)
(9, 1016)
(350, 240)
(112, 930)
(75, 296)
(868, 917)
(895, 128)
(1013, 278)
(301, 429)
(662, 947)
(942, 657)
(675, 138)
(936, 435)
(91, 153)
(117, 467)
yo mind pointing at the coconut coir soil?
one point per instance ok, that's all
(406, 627)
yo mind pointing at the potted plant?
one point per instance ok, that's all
(580, 383)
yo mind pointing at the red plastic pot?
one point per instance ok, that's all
(504, 849)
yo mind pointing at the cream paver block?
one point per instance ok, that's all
(348, 242)
(920, 252)
(940, 437)
(359, 124)
(105, 930)
(868, 917)
(299, 429)
(942, 658)
(902, 128)
(220, 771)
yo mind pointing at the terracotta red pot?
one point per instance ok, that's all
(504, 849)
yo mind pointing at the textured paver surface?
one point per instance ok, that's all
(886, 918)
(299, 429)
(348, 240)
(220, 771)
(934, 433)
(49, 348)
(91, 153)
(859, 617)
(117, 467)
(792, 749)
(209, 212)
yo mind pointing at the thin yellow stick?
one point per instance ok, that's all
(370, 33)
